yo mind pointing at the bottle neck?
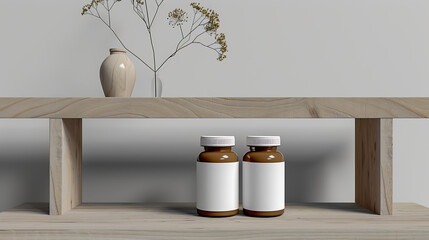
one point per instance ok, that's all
(218, 149)
(117, 51)
(263, 149)
(111, 53)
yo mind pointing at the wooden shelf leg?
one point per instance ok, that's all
(65, 165)
(373, 164)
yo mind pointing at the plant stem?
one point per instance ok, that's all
(154, 57)
(178, 48)
(108, 12)
(156, 92)
(123, 45)
(120, 41)
(151, 42)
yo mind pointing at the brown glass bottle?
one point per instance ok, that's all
(268, 156)
(221, 167)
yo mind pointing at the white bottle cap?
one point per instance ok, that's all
(263, 141)
(217, 141)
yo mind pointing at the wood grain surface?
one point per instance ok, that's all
(65, 164)
(179, 221)
(373, 164)
(386, 166)
(214, 107)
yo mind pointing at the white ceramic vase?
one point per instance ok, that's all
(117, 74)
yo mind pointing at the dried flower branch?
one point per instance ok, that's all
(204, 21)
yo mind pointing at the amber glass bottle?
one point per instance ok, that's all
(263, 177)
(217, 177)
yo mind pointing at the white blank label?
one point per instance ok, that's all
(263, 186)
(217, 186)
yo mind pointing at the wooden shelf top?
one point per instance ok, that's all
(179, 221)
(214, 107)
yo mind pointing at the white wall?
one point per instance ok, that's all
(327, 48)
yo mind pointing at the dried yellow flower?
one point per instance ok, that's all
(94, 3)
(177, 17)
(211, 26)
(213, 18)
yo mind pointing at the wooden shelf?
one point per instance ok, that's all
(373, 132)
(214, 107)
(179, 221)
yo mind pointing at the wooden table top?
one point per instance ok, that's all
(179, 221)
(214, 107)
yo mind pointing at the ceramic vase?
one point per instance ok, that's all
(117, 74)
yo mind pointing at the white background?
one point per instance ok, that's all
(294, 48)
